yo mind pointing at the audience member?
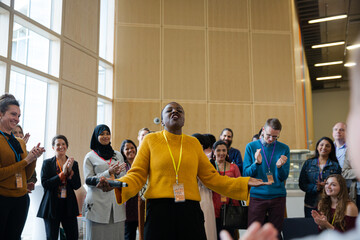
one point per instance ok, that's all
(173, 162)
(60, 177)
(16, 166)
(142, 133)
(227, 136)
(314, 172)
(339, 135)
(210, 140)
(336, 210)
(268, 200)
(18, 132)
(104, 218)
(219, 159)
(128, 150)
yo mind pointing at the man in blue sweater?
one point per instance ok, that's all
(268, 159)
(234, 154)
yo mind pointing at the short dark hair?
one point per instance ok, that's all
(211, 138)
(204, 140)
(227, 129)
(59, 137)
(6, 100)
(165, 107)
(274, 123)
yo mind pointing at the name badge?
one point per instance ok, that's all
(179, 192)
(19, 182)
(63, 192)
(270, 177)
(223, 198)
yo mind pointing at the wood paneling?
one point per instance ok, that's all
(238, 117)
(79, 67)
(286, 115)
(229, 76)
(137, 71)
(184, 64)
(82, 22)
(228, 14)
(195, 117)
(272, 68)
(270, 15)
(77, 120)
(130, 117)
(138, 11)
(184, 12)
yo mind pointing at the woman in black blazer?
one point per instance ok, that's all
(60, 177)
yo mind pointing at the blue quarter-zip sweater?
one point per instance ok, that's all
(250, 168)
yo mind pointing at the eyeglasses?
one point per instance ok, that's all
(271, 136)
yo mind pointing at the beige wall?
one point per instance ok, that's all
(229, 63)
(330, 106)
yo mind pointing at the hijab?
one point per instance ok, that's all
(104, 151)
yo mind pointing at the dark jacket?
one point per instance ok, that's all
(310, 174)
(49, 206)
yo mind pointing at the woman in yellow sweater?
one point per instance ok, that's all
(16, 166)
(173, 161)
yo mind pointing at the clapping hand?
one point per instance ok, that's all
(34, 153)
(258, 157)
(282, 160)
(319, 185)
(320, 220)
(26, 137)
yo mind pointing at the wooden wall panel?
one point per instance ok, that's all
(238, 117)
(184, 12)
(77, 120)
(286, 115)
(196, 117)
(130, 117)
(228, 14)
(229, 76)
(272, 68)
(138, 11)
(184, 64)
(82, 22)
(138, 70)
(270, 15)
(79, 67)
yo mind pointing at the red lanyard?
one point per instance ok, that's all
(103, 158)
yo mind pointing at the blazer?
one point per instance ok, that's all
(49, 206)
(98, 204)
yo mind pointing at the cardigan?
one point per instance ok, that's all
(9, 167)
(98, 205)
(50, 180)
(153, 159)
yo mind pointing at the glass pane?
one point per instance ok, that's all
(106, 44)
(4, 31)
(7, 2)
(104, 112)
(105, 81)
(35, 50)
(45, 12)
(2, 77)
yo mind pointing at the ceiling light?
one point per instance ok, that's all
(326, 19)
(329, 77)
(353, 47)
(328, 63)
(350, 64)
(328, 44)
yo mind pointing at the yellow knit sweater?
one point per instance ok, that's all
(154, 159)
(9, 167)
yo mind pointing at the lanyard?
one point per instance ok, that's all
(17, 155)
(268, 163)
(103, 158)
(59, 165)
(332, 223)
(172, 157)
(320, 170)
(217, 167)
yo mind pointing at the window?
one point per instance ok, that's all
(38, 50)
(38, 105)
(106, 45)
(7, 2)
(4, 31)
(104, 112)
(105, 80)
(2, 77)
(45, 12)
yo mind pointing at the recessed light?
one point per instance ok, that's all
(350, 64)
(326, 19)
(328, 44)
(353, 47)
(329, 77)
(328, 63)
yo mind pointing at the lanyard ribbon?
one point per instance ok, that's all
(320, 170)
(17, 155)
(268, 163)
(172, 157)
(103, 158)
(217, 167)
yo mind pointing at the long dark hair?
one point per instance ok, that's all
(216, 144)
(123, 146)
(332, 154)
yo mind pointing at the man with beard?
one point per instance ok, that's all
(234, 154)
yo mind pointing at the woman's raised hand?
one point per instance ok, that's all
(34, 153)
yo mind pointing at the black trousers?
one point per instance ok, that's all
(13, 214)
(130, 230)
(166, 219)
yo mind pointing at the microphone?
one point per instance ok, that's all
(93, 181)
